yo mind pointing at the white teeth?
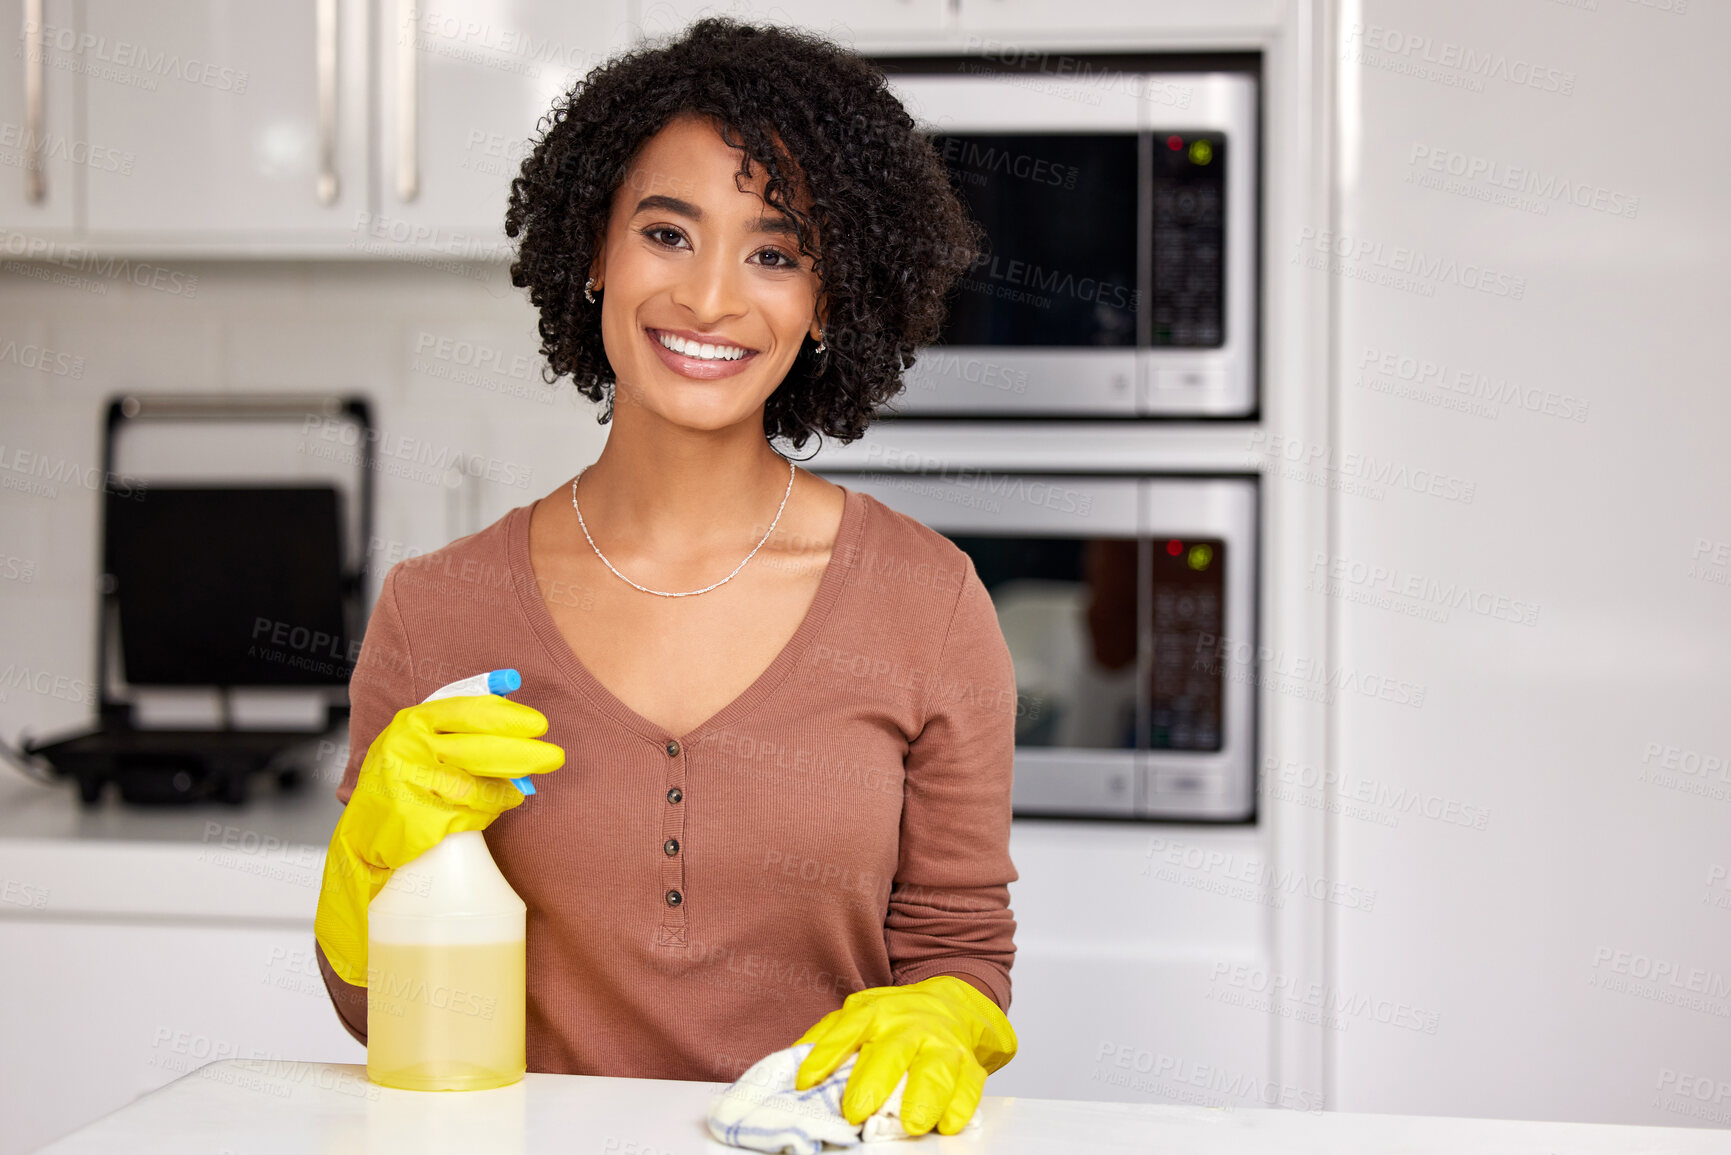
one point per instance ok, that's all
(702, 352)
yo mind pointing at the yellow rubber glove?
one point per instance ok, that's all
(942, 1032)
(438, 767)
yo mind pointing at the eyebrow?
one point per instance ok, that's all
(779, 224)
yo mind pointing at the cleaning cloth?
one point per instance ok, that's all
(763, 1112)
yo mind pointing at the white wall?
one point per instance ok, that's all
(1522, 941)
(404, 335)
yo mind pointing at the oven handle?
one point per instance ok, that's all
(35, 181)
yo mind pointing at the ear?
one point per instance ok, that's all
(598, 266)
(821, 321)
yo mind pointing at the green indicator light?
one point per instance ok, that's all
(1200, 556)
(1201, 152)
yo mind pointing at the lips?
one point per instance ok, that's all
(696, 368)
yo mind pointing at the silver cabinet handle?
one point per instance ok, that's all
(327, 84)
(35, 185)
(408, 56)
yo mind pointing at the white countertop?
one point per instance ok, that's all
(266, 1107)
(258, 862)
(32, 809)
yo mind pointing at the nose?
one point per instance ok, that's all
(711, 286)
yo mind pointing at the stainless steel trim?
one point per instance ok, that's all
(1223, 507)
(408, 109)
(35, 181)
(1230, 371)
(1080, 783)
(1020, 379)
(327, 97)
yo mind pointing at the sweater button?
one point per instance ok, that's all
(675, 794)
(673, 898)
(670, 847)
(672, 748)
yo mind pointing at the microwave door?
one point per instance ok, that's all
(1067, 608)
(1046, 319)
(1058, 556)
(1128, 608)
(1045, 322)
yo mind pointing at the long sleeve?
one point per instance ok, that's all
(949, 905)
(383, 682)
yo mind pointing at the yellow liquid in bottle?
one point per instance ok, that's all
(445, 1018)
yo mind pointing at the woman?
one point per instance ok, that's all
(785, 712)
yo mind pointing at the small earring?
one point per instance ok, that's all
(588, 290)
(820, 346)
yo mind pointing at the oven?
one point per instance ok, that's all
(1129, 606)
(1120, 208)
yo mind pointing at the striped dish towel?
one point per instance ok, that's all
(763, 1112)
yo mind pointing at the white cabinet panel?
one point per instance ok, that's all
(462, 89)
(841, 22)
(1527, 264)
(1100, 1021)
(1134, 961)
(61, 153)
(96, 1014)
(219, 99)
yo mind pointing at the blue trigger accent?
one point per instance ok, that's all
(505, 682)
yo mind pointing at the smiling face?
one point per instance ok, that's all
(704, 295)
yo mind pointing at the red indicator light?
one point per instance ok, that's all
(1174, 547)
(1174, 142)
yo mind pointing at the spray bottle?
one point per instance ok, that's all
(446, 984)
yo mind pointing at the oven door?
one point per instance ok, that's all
(1129, 606)
(1119, 277)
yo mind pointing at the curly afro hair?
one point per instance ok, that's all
(887, 234)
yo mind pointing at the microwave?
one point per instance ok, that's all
(1119, 278)
(1129, 607)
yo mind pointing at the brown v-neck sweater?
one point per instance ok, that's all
(699, 900)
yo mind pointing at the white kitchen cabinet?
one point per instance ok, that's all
(462, 88)
(1043, 18)
(44, 206)
(221, 102)
(841, 22)
(97, 1013)
(138, 942)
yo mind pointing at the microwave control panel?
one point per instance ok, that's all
(1189, 240)
(1189, 603)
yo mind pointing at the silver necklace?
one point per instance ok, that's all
(664, 593)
